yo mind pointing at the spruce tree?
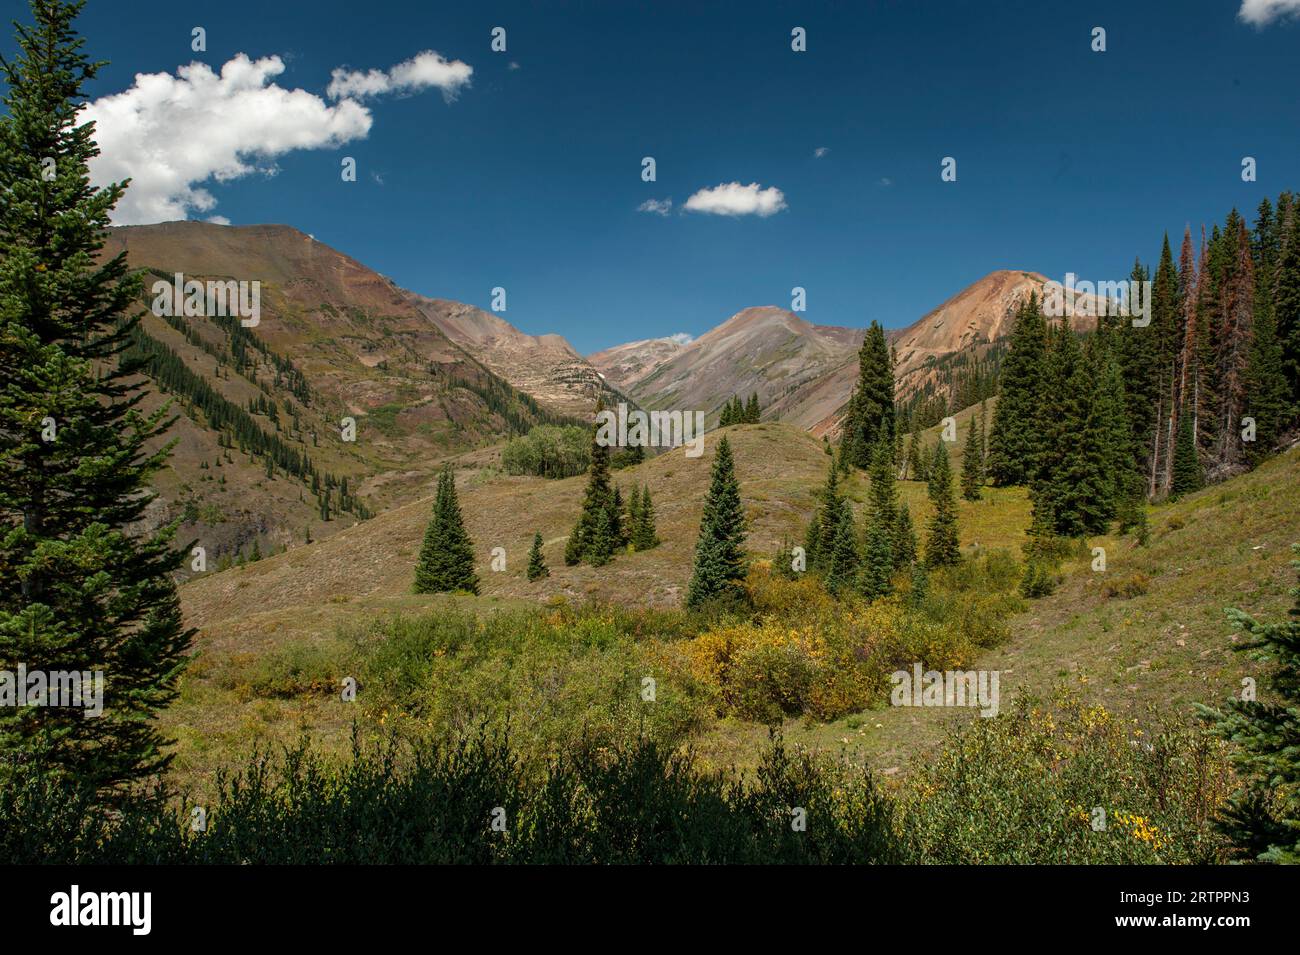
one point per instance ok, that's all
(970, 463)
(844, 561)
(871, 408)
(904, 538)
(1187, 466)
(446, 561)
(941, 546)
(644, 534)
(821, 531)
(875, 579)
(83, 587)
(1263, 816)
(720, 550)
(595, 503)
(537, 568)
(1286, 304)
(1013, 441)
(752, 410)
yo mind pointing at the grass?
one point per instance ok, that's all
(1147, 637)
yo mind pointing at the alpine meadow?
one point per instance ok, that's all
(398, 463)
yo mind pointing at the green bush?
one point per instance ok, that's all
(550, 451)
(1026, 787)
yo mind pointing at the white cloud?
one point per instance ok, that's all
(420, 72)
(680, 338)
(218, 220)
(660, 207)
(821, 151)
(1261, 13)
(886, 182)
(733, 199)
(172, 134)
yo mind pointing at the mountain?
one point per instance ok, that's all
(767, 350)
(544, 366)
(804, 373)
(262, 455)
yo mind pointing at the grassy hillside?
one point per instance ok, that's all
(270, 632)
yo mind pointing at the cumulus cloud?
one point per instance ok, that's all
(172, 134)
(421, 72)
(660, 207)
(733, 199)
(218, 220)
(1261, 13)
(680, 338)
(821, 151)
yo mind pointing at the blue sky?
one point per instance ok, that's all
(530, 178)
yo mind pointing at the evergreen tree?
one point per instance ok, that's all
(821, 531)
(941, 546)
(1187, 466)
(446, 561)
(644, 533)
(82, 586)
(752, 410)
(844, 561)
(720, 550)
(603, 539)
(1013, 442)
(920, 584)
(1286, 304)
(537, 568)
(875, 579)
(596, 503)
(1074, 470)
(871, 408)
(904, 539)
(1263, 816)
(917, 462)
(971, 478)
(618, 521)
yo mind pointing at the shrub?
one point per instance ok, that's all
(1134, 585)
(1024, 787)
(550, 451)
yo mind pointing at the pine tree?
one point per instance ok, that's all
(904, 538)
(1234, 346)
(752, 410)
(1187, 466)
(720, 550)
(878, 556)
(917, 463)
(970, 463)
(82, 586)
(537, 568)
(1013, 442)
(595, 504)
(1263, 816)
(446, 561)
(644, 534)
(1286, 304)
(871, 408)
(941, 546)
(821, 530)
(1076, 460)
(618, 519)
(844, 561)
(920, 584)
